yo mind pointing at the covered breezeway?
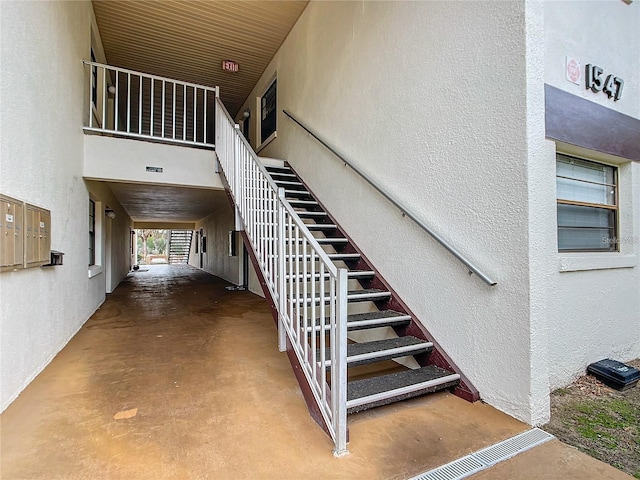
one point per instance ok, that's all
(194, 370)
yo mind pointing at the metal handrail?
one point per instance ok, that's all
(405, 211)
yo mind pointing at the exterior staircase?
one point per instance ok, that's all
(376, 313)
(179, 246)
(352, 342)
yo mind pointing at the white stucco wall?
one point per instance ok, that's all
(116, 256)
(216, 259)
(541, 236)
(604, 33)
(126, 160)
(430, 100)
(41, 160)
(593, 300)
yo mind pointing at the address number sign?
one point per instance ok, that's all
(596, 80)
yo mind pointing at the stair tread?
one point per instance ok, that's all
(389, 314)
(270, 168)
(350, 274)
(380, 350)
(322, 241)
(333, 256)
(382, 318)
(368, 292)
(321, 226)
(295, 192)
(384, 345)
(287, 182)
(359, 389)
(306, 214)
(360, 273)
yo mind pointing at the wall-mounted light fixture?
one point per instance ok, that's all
(111, 89)
(246, 113)
(110, 213)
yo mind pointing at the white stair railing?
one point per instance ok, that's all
(308, 290)
(138, 105)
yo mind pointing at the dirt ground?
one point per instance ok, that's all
(599, 421)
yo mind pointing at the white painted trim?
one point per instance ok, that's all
(267, 141)
(95, 270)
(581, 262)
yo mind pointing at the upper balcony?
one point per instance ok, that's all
(167, 114)
(132, 104)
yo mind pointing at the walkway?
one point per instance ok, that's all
(216, 400)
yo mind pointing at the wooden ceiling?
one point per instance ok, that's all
(188, 40)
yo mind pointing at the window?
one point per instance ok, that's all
(268, 112)
(94, 81)
(92, 232)
(587, 195)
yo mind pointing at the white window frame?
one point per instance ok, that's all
(627, 256)
(97, 268)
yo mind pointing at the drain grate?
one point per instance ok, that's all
(460, 468)
(487, 457)
(512, 446)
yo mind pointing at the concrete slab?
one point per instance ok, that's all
(177, 377)
(553, 459)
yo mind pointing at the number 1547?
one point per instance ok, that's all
(596, 81)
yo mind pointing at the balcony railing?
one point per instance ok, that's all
(133, 104)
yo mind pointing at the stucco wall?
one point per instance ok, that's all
(116, 239)
(594, 299)
(216, 260)
(121, 159)
(429, 99)
(41, 156)
(603, 33)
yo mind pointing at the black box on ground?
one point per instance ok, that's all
(615, 374)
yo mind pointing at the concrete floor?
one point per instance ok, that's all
(216, 400)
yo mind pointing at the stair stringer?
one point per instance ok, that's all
(416, 328)
(307, 394)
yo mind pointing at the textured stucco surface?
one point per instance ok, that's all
(117, 246)
(593, 300)
(42, 80)
(216, 259)
(447, 114)
(416, 105)
(603, 33)
(541, 191)
(125, 160)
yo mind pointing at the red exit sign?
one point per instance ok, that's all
(229, 66)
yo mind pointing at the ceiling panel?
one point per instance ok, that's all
(159, 203)
(189, 40)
